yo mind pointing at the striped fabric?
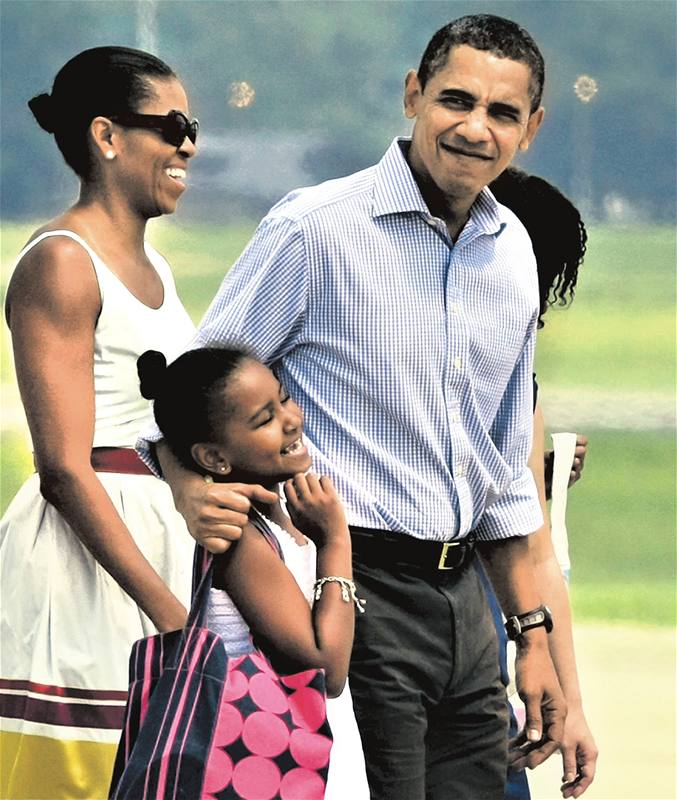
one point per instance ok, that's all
(57, 705)
(411, 355)
(57, 741)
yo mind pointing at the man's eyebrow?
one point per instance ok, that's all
(505, 108)
(460, 93)
(499, 107)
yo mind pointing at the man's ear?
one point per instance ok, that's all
(211, 457)
(412, 93)
(534, 123)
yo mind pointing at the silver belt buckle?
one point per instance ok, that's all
(443, 556)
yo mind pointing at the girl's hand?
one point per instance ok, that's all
(315, 508)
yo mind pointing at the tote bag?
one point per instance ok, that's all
(200, 724)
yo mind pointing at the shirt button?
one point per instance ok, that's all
(455, 308)
(460, 471)
(455, 417)
(458, 362)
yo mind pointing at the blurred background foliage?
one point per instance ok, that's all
(329, 74)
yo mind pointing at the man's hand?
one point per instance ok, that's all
(215, 513)
(544, 703)
(579, 755)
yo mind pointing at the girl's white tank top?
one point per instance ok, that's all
(125, 329)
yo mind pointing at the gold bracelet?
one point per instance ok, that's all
(348, 590)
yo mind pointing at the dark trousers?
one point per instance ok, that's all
(517, 786)
(428, 697)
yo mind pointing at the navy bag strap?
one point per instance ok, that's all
(203, 566)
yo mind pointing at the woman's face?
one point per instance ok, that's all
(262, 428)
(151, 171)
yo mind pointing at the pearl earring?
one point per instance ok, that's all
(110, 154)
(222, 468)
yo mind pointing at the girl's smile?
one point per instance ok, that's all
(260, 430)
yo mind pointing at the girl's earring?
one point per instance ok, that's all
(110, 155)
(222, 468)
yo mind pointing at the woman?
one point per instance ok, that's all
(94, 555)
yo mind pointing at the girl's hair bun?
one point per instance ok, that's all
(42, 106)
(152, 369)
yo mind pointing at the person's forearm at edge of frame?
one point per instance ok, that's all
(579, 752)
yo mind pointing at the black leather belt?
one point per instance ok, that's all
(387, 547)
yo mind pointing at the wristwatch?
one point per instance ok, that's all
(519, 623)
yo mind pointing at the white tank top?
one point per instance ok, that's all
(223, 616)
(126, 328)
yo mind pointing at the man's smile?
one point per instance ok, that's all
(467, 153)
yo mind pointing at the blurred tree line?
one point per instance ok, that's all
(335, 69)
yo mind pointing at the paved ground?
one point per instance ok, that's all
(589, 409)
(628, 679)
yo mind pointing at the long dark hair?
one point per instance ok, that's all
(556, 229)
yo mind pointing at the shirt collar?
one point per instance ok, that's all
(396, 192)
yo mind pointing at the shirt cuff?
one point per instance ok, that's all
(146, 450)
(516, 513)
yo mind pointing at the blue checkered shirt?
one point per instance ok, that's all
(411, 355)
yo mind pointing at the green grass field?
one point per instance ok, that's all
(617, 337)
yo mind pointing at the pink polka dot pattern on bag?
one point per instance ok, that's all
(256, 778)
(221, 772)
(271, 739)
(310, 750)
(308, 708)
(228, 726)
(267, 694)
(265, 734)
(302, 783)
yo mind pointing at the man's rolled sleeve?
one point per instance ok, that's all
(260, 305)
(517, 512)
(145, 447)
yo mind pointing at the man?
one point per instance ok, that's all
(398, 307)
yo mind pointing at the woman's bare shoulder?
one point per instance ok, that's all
(57, 272)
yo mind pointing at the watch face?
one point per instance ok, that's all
(539, 617)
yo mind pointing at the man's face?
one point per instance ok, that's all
(470, 121)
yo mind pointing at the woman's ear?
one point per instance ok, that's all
(211, 457)
(101, 132)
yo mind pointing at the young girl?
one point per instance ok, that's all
(224, 414)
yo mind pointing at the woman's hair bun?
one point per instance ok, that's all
(152, 369)
(42, 106)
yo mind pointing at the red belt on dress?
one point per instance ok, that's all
(118, 459)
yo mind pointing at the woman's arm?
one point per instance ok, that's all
(271, 602)
(53, 304)
(579, 752)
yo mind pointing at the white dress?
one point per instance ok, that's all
(66, 625)
(347, 778)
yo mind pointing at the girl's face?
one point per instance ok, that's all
(153, 171)
(262, 428)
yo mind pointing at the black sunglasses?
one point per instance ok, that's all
(174, 126)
